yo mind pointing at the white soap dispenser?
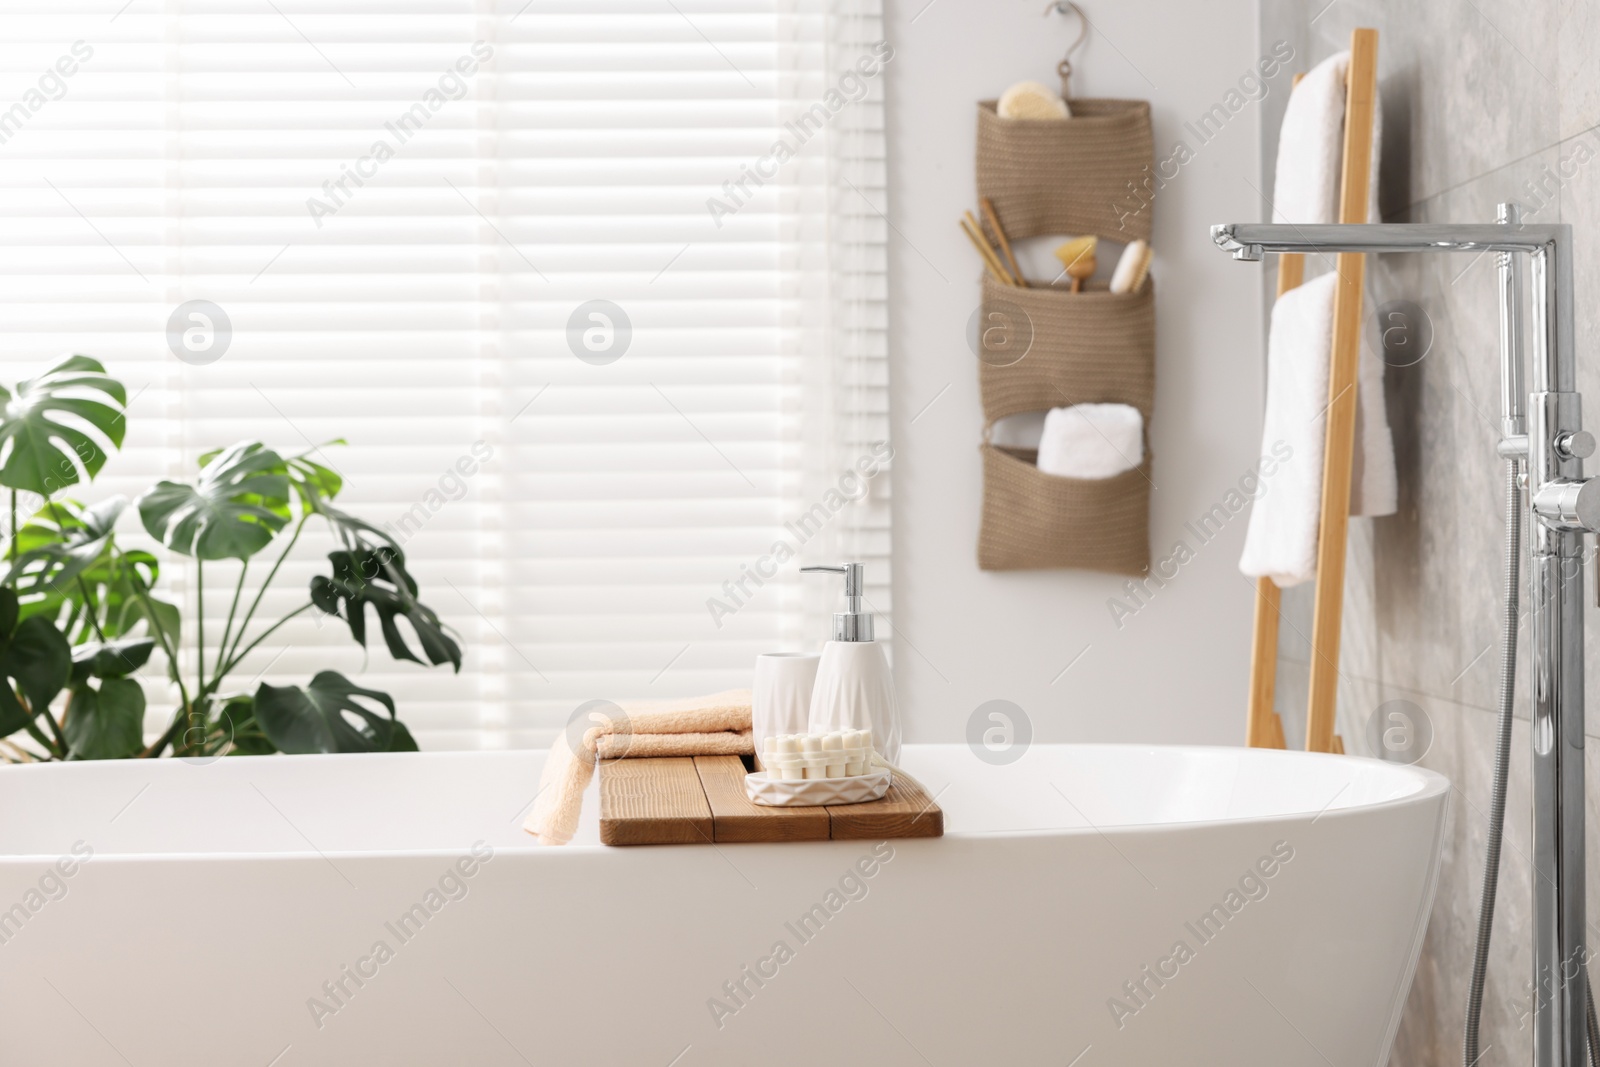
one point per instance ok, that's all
(854, 689)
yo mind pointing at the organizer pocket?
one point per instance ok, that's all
(1033, 520)
(1086, 174)
(1051, 348)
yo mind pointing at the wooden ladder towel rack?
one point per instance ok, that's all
(1264, 728)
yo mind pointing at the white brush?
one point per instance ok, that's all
(1132, 268)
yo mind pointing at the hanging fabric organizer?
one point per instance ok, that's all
(1071, 177)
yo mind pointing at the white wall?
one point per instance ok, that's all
(1177, 671)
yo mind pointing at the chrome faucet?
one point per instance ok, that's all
(1545, 429)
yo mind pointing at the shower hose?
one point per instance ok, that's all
(1502, 765)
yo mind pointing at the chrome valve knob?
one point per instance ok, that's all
(1569, 505)
(1575, 444)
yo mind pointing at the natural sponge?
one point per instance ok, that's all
(1030, 100)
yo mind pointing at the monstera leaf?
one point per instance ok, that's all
(125, 590)
(312, 481)
(238, 504)
(35, 662)
(315, 483)
(67, 568)
(111, 659)
(237, 721)
(326, 716)
(46, 443)
(377, 576)
(107, 721)
(59, 544)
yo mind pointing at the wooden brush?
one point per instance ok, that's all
(1077, 259)
(1132, 268)
(990, 260)
(1002, 240)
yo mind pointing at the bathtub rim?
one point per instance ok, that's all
(1430, 784)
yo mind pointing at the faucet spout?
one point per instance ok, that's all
(1223, 234)
(1249, 240)
(1547, 246)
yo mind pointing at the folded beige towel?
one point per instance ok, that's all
(715, 725)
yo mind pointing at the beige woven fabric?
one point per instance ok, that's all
(1046, 347)
(1033, 520)
(1087, 174)
(1081, 348)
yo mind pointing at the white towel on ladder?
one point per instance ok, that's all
(1281, 542)
(1305, 185)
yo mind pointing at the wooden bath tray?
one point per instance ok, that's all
(701, 799)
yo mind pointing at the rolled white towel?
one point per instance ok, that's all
(1091, 441)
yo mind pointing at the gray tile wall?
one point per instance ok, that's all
(1483, 101)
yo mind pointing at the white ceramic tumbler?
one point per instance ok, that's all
(780, 698)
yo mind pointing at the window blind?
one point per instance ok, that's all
(607, 363)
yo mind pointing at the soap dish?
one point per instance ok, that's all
(806, 792)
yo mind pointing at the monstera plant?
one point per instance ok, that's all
(81, 612)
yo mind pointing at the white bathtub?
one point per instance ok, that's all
(220, 899)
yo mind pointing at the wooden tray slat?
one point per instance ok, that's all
(905, 811)
(653, 802)
(735, 817)
(701, 800)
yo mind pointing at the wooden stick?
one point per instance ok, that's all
(1000, 238)
(990, 260)
(1263, 727)
(994, 254)
(1339, 455)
